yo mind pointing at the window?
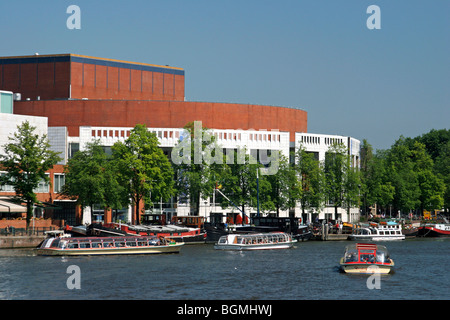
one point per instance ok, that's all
(6, 187)
(43, 187)
(85, 245)
(58, 182)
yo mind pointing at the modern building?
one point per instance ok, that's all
(83, 99)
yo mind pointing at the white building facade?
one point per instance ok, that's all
(251, 140)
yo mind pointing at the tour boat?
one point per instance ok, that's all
(71, 246)
(434, 230)
(366, 258)
(256, 241)
(378, 232)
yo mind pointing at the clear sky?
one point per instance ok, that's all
(317, 55)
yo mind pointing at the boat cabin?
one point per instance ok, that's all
(260, 238)
(189, 221)
(93, 243)
(366, 253)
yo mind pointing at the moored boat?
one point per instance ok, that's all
(434, 230)
(255, 241)
(366, 258)
(175, 232)
(71, 246)
(377, 232)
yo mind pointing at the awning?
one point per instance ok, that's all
(6, 206)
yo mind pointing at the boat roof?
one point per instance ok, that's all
(119, 238)
(365, 246)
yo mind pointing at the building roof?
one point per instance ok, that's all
(66, 57)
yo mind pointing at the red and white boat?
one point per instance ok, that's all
(434, 230)
(366, 258)
(185, 234)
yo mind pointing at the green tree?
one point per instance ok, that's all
(26, 158)
(442, 170)
(199, 164)
(311, 178)
(369, 183)
(383, 190)
(402, 176)
(431, 187)
(87, 178)
(285, 187)
(342, 180)
(335, 175)
(240, 183)
(143, 167)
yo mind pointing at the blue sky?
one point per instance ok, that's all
(317, 55)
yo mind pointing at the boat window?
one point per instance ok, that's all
(131, 243)
(223, 240)
(62, 244)
(367, 258)
(239, 240)
(108, 244)
(55, 243)
(96, 244)
(381, 257)
(120, 244)
(73, 245)
(351, 257)
(85, 245)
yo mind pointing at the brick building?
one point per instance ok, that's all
(86, 98)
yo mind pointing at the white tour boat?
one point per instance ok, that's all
(256, 241)
(378, 232)
(366, 258)
(71, 246)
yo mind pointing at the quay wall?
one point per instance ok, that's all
(38, 223)
(11, 242)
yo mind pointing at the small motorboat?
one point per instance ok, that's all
(255, 241)
(366, 258)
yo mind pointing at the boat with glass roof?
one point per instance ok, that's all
(71, 246)
(366, 258)
(255, 241)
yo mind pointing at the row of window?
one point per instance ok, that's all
(43, 187)
(316, 140)
(122, 133)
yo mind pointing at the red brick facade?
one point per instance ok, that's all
(163, 114)
(71, 76)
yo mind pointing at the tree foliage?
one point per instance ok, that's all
(26, 159)
(91, 178)
(143, 168)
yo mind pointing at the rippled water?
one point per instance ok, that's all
(308, 271)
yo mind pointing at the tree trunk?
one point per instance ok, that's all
(137, 208)
(29, 213)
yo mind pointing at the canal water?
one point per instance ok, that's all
(307, 272)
